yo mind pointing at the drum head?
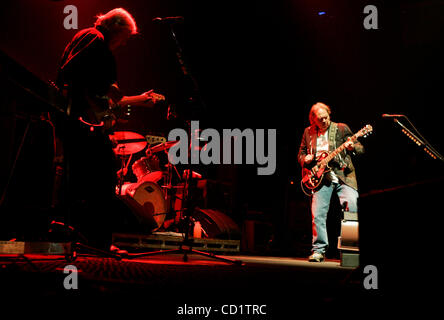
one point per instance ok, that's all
(148, 203)
(155, 176)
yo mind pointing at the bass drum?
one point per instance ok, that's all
(217, 225)
(147, 201)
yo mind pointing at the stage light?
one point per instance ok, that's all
(321, 13)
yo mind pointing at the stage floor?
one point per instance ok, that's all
(166, 282)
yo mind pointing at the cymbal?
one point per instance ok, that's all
(163, 146)
(128, 142)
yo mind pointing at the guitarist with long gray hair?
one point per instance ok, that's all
(325, 156)
(87, 76)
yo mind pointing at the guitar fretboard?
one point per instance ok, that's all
(333, 154)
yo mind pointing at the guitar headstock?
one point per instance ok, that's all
(365, 132)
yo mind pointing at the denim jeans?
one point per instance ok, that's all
(319, 208)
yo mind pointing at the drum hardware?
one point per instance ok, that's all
(155, 139)
(195, 175)
(123, 170)
(162, 146)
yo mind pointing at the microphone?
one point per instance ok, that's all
(178, 19)
(385, 115)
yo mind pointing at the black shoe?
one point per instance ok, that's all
(316, 257)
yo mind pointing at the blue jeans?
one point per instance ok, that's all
(320, 204)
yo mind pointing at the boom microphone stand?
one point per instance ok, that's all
(417, 139)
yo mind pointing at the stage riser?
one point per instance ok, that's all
(163, 242)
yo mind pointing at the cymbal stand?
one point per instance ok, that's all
(123, 170)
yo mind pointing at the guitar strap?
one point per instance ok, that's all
(332, 143)
(314, 136)
(332, 136)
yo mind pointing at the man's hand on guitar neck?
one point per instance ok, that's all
(349, 145)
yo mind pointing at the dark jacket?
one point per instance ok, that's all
(87, 69)
(342, 165)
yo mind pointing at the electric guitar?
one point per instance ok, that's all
(312, 177)
(103, 112)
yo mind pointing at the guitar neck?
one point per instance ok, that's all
(142, 100)
(341, 148)
(132, 100)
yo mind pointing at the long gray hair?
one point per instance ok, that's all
(313, 109)
(117, 18)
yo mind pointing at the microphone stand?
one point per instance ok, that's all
(184, 68)
(186, 247)
(426, 146)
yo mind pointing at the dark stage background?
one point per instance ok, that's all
(262, 64)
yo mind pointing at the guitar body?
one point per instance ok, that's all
(312, 176)
(104, 113)
(101, 114)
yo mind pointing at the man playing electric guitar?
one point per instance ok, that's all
(324, 136)
(87, 76)
(105, 111)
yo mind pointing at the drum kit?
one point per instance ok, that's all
(154, 199)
